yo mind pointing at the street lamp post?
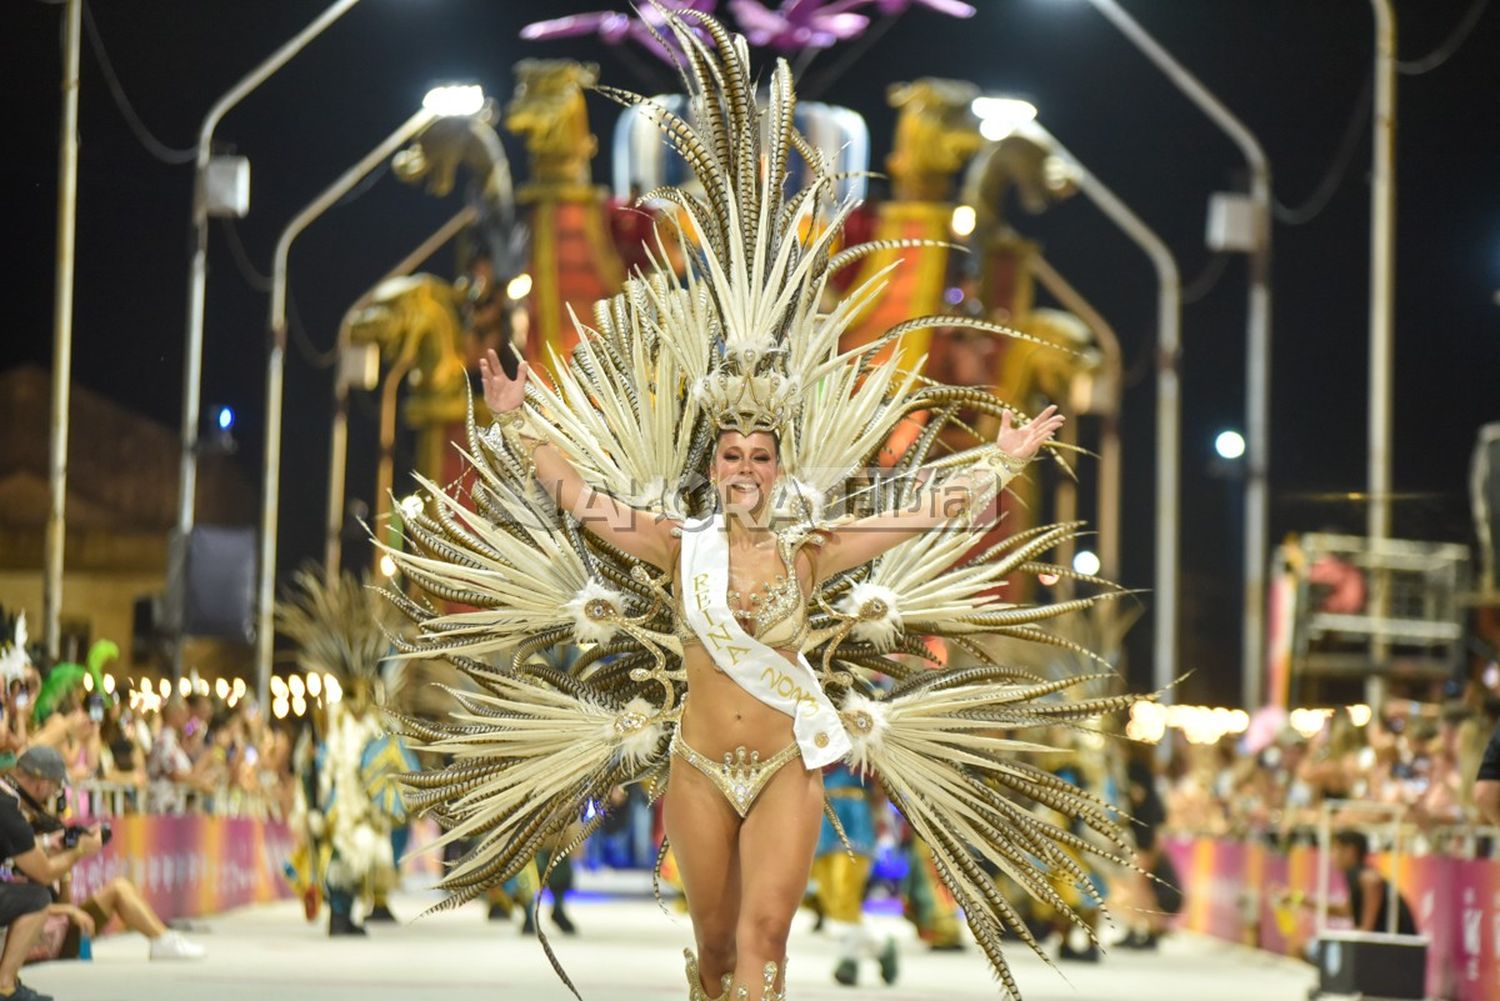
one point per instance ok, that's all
(192, 363)
(1382, 262)
(1168, 401)
(441, 102)
(1382, 326)
(1257, 338)
(62, 334)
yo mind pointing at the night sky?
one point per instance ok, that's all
(1293, 70)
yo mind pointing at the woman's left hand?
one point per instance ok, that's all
(1025, 441)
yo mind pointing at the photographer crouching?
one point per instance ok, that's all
(38, 777)
(50, 850)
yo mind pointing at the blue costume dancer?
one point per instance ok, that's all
(841, 871)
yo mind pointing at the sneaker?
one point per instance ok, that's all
(24, 993)
(174, 946)
(888, 964)
(847, 972)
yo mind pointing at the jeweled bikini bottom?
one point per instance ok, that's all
(741, 775)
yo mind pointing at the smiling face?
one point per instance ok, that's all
(744, 470)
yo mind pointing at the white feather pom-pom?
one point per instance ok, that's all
(592, 609)
(801, 500)
(865, 720)
(637, 730)
(876, 612)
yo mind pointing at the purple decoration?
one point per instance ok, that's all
(609, 25)
(615, 27)
(795, 26)
(953, 8)
(798, 25)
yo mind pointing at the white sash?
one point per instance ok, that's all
(787, 686)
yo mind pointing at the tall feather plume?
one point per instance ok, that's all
(341, 625)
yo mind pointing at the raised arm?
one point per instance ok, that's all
(862, 540)
(638, 533)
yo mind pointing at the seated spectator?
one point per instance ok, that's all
(38, 778)
(1369, 894)
(119, 897)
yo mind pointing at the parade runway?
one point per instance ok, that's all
(627, 951)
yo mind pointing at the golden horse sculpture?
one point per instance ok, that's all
(1019, 165)
(448, 144)
(572, 261)
(417, 324)
(548, 109)
(936, 134)
(1026, 373)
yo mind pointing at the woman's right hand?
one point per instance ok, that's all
(502, 394)
(77, 915)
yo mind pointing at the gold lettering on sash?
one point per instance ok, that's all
(700, 590)
(786, 686)
(720, 633)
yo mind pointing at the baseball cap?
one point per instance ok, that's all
(44, 763)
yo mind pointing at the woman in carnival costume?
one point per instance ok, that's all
(680, 501)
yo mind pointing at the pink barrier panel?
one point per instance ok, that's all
(1473, 904)
(191, 866)
(1230, 890)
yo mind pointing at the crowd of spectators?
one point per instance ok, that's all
(1272, 781)
(198, 752)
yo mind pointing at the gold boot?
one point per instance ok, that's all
(695, 981)
(768, 988)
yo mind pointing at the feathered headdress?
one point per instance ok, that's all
(66, 678)
(341, 626)
(13, 656)
(748, 328)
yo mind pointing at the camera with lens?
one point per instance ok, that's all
(73, 832)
